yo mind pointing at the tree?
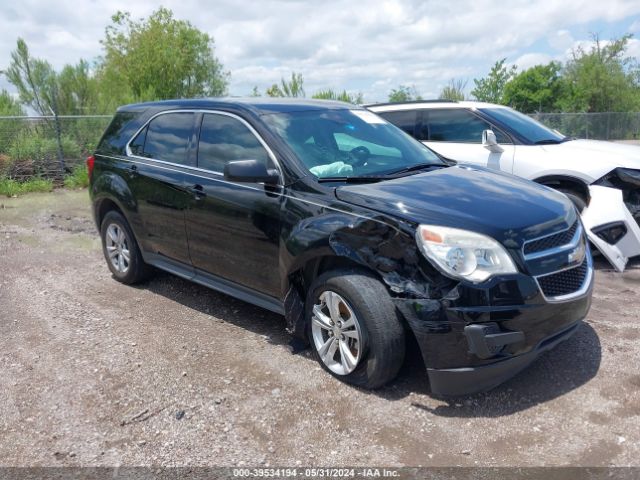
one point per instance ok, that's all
(35, 80)
(404, 93)
(603, 78)
(255, 92)
(161, 57)
(454, 91)
(491, 88)
(9, 106)
(537, 89)
(291, 88)
(77, 90)
(37, 85)
(329, 94)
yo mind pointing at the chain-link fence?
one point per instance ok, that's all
(47, 147)
(50, 147)
(598, 126)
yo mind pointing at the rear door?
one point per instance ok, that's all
(233, 228)
(160, 153)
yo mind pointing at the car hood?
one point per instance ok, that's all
(503, 206)
(613, 154)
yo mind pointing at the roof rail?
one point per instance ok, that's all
(384, 104)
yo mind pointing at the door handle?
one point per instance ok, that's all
(198, 192)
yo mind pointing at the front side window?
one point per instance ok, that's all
(224, 139)
(166, 138)
(348, 143)
(455, 125)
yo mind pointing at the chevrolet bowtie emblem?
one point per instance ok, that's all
(577, 255)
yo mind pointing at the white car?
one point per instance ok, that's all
(601, 178)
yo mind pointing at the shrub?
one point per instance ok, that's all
(10, 187)
(78, 178)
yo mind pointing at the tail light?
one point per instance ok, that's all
(90, 161)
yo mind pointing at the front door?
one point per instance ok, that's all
(233, 228)
(456, 133)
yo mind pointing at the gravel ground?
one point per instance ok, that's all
(96, 373)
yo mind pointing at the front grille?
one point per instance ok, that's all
(565, 282)
(551, 241)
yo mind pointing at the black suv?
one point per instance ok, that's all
(358, 234)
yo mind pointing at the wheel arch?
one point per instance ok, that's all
(560, 182)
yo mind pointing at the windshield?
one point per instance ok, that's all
(525, 126)
(349, 143)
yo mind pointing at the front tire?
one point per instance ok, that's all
(575, 198)
(121, 250)
(354, 328)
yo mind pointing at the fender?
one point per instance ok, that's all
(341, 238)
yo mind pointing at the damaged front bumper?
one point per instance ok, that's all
(610, 225)
(478, 336)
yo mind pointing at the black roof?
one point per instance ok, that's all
(258, 105)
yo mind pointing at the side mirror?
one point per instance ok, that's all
(490, 143)
(250, 171)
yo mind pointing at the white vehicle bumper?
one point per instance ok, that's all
(605, 208)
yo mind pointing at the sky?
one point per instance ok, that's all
(362, 46)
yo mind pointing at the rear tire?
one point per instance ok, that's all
(121, 250)
(369, 346)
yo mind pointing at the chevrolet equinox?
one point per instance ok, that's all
(358, 234)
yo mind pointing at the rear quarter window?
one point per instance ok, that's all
(120, 130)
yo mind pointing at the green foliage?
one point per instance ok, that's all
(602, 79)
(404, 93)
(11, 188)
(35, 80)
(537, 89)
(291, 88)
(454, 91)
(161, 58)
(78, 178)
(9, 128)
(491, 88)
(329, 94)
(255, 92)
(30, 145)
(9, 106)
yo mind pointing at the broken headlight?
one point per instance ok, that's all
(463, 254)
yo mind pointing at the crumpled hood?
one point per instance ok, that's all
(502, 206)
(588, 151)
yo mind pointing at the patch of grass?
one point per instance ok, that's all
(11, 188)
(78, 178)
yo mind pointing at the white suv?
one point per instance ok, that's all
(601, 178)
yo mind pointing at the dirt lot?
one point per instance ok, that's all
(170, 373)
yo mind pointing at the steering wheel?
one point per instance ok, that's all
(360, 155)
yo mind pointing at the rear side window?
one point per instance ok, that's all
(405, 120)
(224, 139)
(458, 125)
(166, 138)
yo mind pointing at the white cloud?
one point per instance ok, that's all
(529, 60)
(560, 40)
(369, 46)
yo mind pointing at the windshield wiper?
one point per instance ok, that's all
(361, 179)
(548, 141)
(419, 166)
